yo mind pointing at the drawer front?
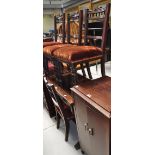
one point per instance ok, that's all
(99, 133)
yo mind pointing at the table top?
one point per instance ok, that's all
(97, 93)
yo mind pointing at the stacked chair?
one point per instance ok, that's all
(47, 44)
(62, 110)
(66, 57)
(49, 49)
(97, 33)
(74, 55)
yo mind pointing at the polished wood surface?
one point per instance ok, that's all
(97, 93)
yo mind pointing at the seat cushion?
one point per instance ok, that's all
(48, 50)
(75, 53)
(50, 43)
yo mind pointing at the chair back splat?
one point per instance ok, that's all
(75, 19)
(59, 20)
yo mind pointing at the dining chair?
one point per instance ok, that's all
(62, 110)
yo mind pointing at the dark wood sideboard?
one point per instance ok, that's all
(93, 115)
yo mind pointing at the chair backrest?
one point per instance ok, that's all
(50, 105)
(59, 105)
(74, 27)
(100, 16)
(59, 20)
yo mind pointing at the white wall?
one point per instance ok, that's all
(48, 19)
(48, 22)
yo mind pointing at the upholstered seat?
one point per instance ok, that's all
(50, 43)
(48, 50)
(75, 53)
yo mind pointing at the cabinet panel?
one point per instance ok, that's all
(99, 127)
(81, 120)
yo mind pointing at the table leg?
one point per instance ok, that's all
(77, 146)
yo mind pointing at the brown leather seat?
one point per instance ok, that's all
(50, 43)
(48, 50)
(75, 53)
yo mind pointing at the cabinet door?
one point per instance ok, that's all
(81, 120)
(99, 133)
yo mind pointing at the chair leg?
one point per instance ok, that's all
(102, 67)
(67, 131)
(96, 66)
(83, 71)
(88, 70)
(74, 75)
(58, 120)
